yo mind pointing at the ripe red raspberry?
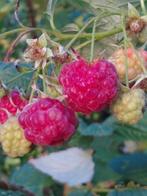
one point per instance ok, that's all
(11, 104)
(89, 87)
(47, 122)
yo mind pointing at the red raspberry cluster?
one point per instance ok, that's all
(88, 87)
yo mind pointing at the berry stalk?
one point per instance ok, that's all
(92, 40)
(125, 46)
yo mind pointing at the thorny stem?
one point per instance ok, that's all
(52, 23)
(44, 81)
(125, 46)
(142, 63)
(34, 81)
(82, 45)
(79, 33)
(16, 13)
(31, 12)
(31, 15)
(13, 45)
(98, 36)
(62, 37)
(92, 40)
(19, 30)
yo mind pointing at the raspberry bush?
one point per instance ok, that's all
(73, 84)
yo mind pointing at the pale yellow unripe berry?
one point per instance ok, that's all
(129, 105)
(12, 138)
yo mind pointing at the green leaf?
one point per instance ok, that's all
(80, 141)
(133, 132)
(31, 179)
(98, 129)
(11, 193)
(131, 167)
(103, 172)
(106, 147)
(132, 11)
(12, 78)
(127, 132)
(80, 193)
(133, 192)
(142, 124)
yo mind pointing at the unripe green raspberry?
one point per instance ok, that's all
(131, 57)
(128, 107)
(12, 138)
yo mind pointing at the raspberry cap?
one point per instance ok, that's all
(128, 108)
(89, 87)
(12, 138)
(47, 122)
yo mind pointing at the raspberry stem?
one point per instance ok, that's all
(78, 34)
(141, 62)
(125, 46)
(34, 81)
(84, 35)
(143, 7)
(44, 81)
(92, 40)
(63, 37)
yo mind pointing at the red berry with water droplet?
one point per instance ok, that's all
(47, 122)
(89, 87)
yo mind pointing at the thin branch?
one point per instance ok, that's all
(31, 15)
(11, 187)
(13, 45)
(16, 13)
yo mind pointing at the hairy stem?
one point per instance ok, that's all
(31, 13)
(92, 41)
(44, 81)
(13, 45)
(62, 37)
(125, 46)
(98, 36)
(34, 81)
